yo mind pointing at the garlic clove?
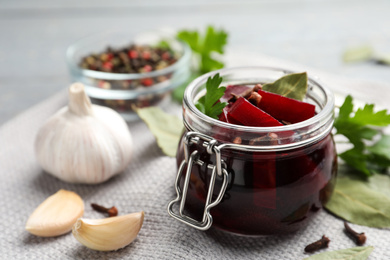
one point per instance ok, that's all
(56, 215)
(110, 233)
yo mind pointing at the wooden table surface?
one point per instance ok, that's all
(35, 35)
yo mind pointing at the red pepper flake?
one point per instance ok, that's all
(146, 55)
(110, 56)
(147, 82)
(108, 65)
(166, 56)
(147, 68)
(133, 54)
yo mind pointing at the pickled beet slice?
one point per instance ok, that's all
(222, 117)
(234, 89)
(284, 108)
(249, 115)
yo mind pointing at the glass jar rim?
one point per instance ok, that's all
(124, 76)
(323, 115)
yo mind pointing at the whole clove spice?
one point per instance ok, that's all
(360, 238)
(269, 139)
(254, 98)
(250, 94)
(233, 98)
(257, 87)
(322, 243)
(237, 140)
(112, 212)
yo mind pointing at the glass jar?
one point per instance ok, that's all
(260, 185)
(124, 92)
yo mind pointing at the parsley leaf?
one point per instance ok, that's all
(163, 44)
(203, 49)
(382, 147)
(357, 159)
(214, 41)
(191, 38)
(209, 104)
(368, 117)
(360, 127)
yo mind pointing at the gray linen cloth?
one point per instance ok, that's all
(147, 184)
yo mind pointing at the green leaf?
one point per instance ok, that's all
(367, 116)
(205, 47)
(209, 64)
(358, 128)
(214, 40)
(356, 159)
(165, 127)
(209, 104)
(354, 201)
(191, 38)
(382, 147)
(346, 109)
(291, 86)
(163, 44)
(213, 91)
(361, 53)
(383, 59)
(379, 183)
(367, 133)
(216, 110)
(355, 253)
(178, 93)
(201, 107)
(379, 164)
(380, 154)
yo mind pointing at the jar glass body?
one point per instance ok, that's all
(273, 187)
(125, 91)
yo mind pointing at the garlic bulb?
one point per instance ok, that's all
(83, 143)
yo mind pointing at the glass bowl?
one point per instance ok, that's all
(260, 185)
(125, 91)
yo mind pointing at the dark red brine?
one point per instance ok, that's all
(270, 191)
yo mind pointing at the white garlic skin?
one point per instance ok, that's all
(84, 143)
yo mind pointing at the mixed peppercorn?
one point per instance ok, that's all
(133, 59)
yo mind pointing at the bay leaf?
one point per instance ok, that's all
(383, 59)
(292, 86)
(354, 201)
(380, 183)
(359, 53)
(354, 253)
(165, 127)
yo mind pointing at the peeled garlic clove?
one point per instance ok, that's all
(110, 233)
(56, 215)
(84, 143)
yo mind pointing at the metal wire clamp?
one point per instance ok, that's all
(218, 169)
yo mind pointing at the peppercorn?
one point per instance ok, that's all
(133, 58)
